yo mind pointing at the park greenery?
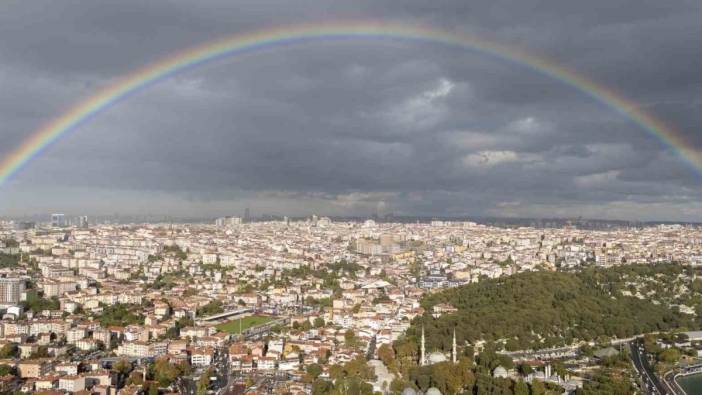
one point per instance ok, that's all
(664, 348)
(36, 303)
(9, 350)
(165, 372)
(170, 251)
(9, 261)
(174, 331)
(160, 373)
(7, 370)
(119, 314)
(534, 310)
(348, 378)
(167, 281)
(465, 377)
(11, 243)
(176, 251)
(211, 308)
(330, 274)
(612, 377)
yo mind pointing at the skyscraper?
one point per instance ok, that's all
(58, 220)
(227, 221)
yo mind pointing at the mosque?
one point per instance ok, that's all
(569, 384)
(436, 356)
(433, 358)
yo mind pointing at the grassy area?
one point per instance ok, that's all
(246, 323)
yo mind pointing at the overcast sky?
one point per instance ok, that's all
(355, 127)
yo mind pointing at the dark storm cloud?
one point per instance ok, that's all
(356, 126)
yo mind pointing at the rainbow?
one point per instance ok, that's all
(122, 89)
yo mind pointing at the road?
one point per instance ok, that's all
(371, 348)
(669, 380)
(652, 384)
(221, 370)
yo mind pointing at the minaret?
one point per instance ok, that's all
(422, 360)
(453, 347)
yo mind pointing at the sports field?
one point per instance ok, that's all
(246, 323)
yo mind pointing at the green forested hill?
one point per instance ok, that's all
(543, 309)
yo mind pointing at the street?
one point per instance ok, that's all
(652, 384)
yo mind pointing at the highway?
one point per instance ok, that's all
(652, 384)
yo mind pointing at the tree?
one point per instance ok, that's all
(42, 352)
(405, 353)
(537, 387)
(563, 307)
(357, 367)
(9, 261)
(318, 322)
(511, 345)
(9, 350)
(7, 369)
(204, 382)
(521, 388)
(122, 366)
(313, 371)
(669, 355)
(560, 369)
(352, 385)
(36, 303)
(525, 369)
(387, 355)
(350, 338)
(603, 383)
(119, 314)
(322, 387)
(213, 307)
(398, 384)
(165, 373)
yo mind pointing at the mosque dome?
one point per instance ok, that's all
(436, 357)
(433, 391)
(500, 372)
(409, 391)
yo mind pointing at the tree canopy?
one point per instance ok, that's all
(543, 309)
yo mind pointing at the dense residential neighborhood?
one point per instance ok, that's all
(298, 306)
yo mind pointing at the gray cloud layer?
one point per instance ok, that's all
(346, 127)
